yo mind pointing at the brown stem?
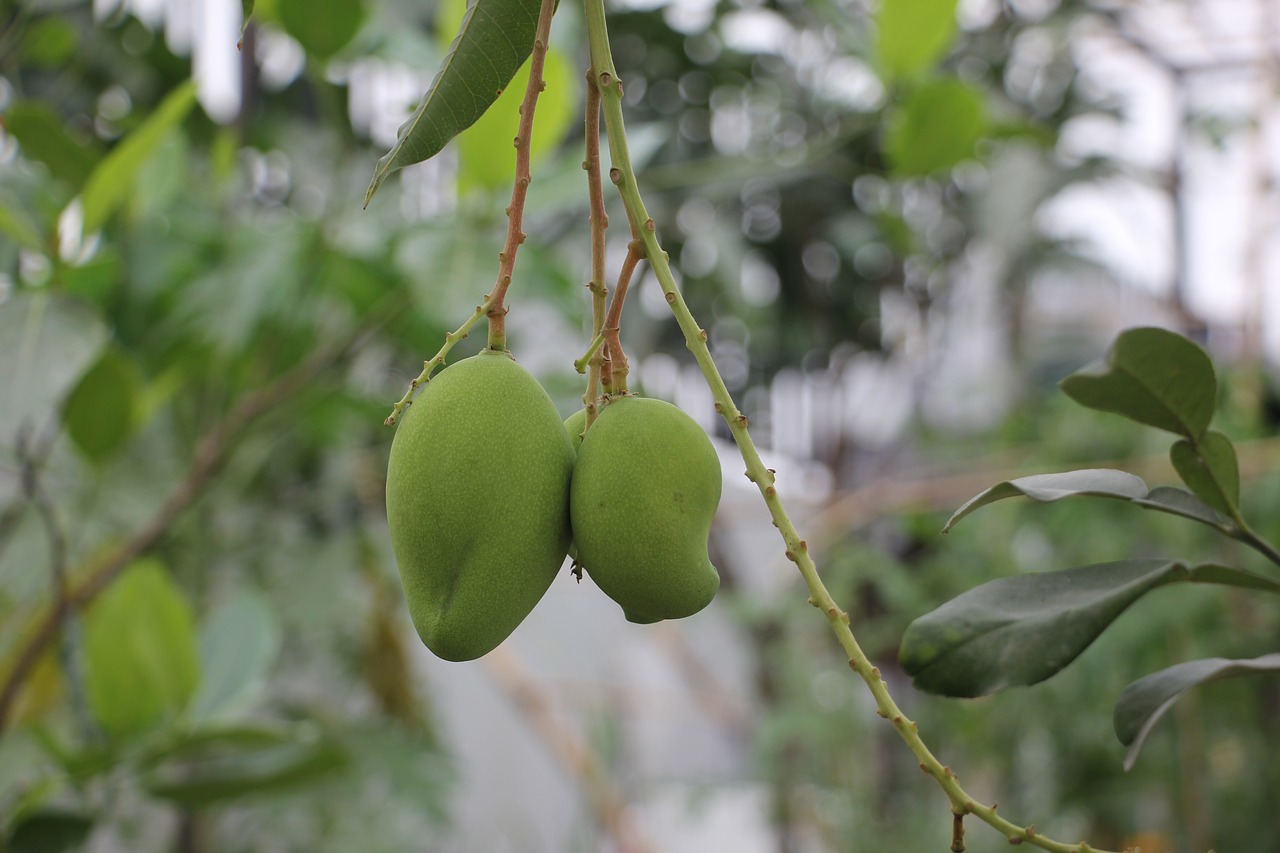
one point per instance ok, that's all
(210, 453)
(617, 359)
(599, 224)
(497, 313)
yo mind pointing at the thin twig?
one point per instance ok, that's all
(437, 360)
(577, 759)
(211, 452)
(797, 549)
(599, 221)
(515, 211)
(616, 367)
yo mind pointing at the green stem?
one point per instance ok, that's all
(622, 174)
(587, 357)
(429, 366)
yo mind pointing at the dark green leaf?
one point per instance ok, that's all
(42, 133)
(1151, 376)
(1144, 702)
(140, 651)
(50, 831)
(495, 39)
(1100, 482)
(113, 178)
(1176, 501)
(1021, 630)
(486, 156)
(246, 18)
(1209, 468)
(912, 35)
(216, 767)
(238, 645)
(322, 27)
(101, 410)
(936, 127)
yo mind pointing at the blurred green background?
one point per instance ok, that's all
(201, 332)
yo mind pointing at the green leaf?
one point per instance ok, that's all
(100, 412)
(495, 39)
(1144, 702)
(140, 651)
(50, 831)
(935, 128)
(1151, 376)
(238, 645)
(42, 133)
(218, 766)
(46, 344)
(1176, 501)
(912, 35)
(322, 27)
(486, 155)
(1100, 482)
(113, 179)
(246, 18)
(1018, 631)
(1210, 470)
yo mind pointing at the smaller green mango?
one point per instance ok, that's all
(645, 489)
(478, 503)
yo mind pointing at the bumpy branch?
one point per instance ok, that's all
(797, 549)
(616, 367)
(437, 360)
(497, 312)
(599, 224)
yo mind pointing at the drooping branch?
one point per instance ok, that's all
(599, 221)
(797, 549)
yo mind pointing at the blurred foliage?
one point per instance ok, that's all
(157, 266)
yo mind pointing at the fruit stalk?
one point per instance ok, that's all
(605, 77)
(616, 366)
(599, 224)
(497, 312)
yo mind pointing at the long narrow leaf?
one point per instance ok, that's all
(495, 39)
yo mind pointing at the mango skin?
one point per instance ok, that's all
(645, 489)
(477, 503)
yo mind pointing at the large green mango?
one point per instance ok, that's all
(645, 489)
(477, 503)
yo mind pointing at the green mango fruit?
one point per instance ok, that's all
(574, 425)
(477, 503)
(644, 493)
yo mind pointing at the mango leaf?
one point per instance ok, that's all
(1151, 376)
(1145, 701)
(42, 133)
(322, 27)
(935, 128)
(218, 766)
(486, 155)
(46, 344)
(1100, 482)
(1020, 630)
(238, 645)
(912, 35)
(100, 412)
(1177, 501)
(50, 831)
(113, 178)
(1210, 469)
(495, 39)
(140, 651)
(1097, 482)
